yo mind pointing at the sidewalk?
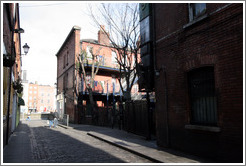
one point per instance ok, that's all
(19, 145)
(136, 144)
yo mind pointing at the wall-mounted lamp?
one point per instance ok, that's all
(26, 48)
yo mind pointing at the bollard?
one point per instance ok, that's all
(67, 119)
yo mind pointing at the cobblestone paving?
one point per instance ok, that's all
(59, 145)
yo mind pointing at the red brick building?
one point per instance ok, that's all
(46, 98)
(70, 87)
(198, 55)
(33, 98)
(11, 57)
(41, 98)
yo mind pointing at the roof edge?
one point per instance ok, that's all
(75, 27)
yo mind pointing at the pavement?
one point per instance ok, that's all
(21, 144)
(137, 144)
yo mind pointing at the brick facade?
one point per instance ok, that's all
(181, 46)
(10, 46)
(68, 80)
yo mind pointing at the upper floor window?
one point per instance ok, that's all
(202, 96)
(89, 51)
(67, 56)
(64, 61)
(101, 59)
(114, 57)
(196, 10)
(145, 30)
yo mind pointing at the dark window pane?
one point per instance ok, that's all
(202, 95)
(198, 9)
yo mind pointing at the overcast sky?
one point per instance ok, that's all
(46, 26)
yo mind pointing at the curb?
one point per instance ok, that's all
(65, 127)
(127, 149)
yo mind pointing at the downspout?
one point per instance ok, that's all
(164, 70)
(166, 99)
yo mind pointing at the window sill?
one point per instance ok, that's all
(195, 21)
(203, 128)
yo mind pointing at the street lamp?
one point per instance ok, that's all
(26, 48)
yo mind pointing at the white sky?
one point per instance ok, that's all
(46, 26)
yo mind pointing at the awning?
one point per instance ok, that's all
(21, 101)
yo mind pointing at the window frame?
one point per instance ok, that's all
(202, 96)
(192, 16)
(114, 57)
(89, 54)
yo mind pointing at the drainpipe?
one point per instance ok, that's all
(166, 99)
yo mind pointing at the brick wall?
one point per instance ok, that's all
(66, 58)
(215, 41)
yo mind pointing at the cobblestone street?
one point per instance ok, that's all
(59, 145)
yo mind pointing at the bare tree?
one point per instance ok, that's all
(95, 62)
(122, 22)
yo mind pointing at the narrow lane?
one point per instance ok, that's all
(59, 145)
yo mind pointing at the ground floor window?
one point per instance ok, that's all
(202, 96)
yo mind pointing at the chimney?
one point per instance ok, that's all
(103, 36)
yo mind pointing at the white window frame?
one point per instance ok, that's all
(89, 55)
(114, 57)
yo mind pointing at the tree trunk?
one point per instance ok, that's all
(93, 105)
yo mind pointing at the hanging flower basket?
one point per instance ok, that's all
(18, 86)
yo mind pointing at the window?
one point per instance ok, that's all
(35, 92)
(114, 57)
(64, 61)
(202, 96)
(42, 101)
(30, 98)
(88, 51)
(135, 88)
(101, 58)
(48, 101)
(145, 30)
(30, 92)
(67, 57)
(196, 10)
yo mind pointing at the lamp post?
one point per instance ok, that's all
(26, 49)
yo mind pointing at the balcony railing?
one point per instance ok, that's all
(105, 62)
